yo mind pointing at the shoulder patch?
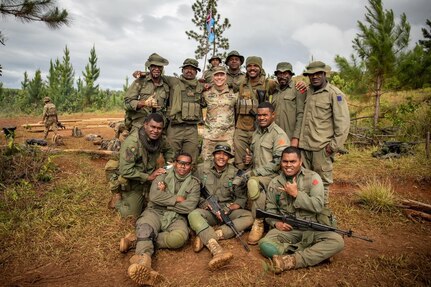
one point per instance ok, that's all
(281, 142)
(315, 182)
(339, 98)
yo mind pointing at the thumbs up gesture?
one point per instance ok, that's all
(248, 156)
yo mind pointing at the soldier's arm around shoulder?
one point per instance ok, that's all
(159, 195)
(131, 98)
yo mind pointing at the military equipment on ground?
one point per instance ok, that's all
(61, 126)
(9, 132)
(36, 142)
(301, 224)
(395, 149)
(217, 209)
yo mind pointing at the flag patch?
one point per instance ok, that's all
(315, 182)
(339, 98)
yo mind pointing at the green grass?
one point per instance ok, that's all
(377, 195)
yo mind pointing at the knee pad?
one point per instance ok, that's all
(175, 239)
(197, 222)
(269, 248)
(253, 188)
(145, 232)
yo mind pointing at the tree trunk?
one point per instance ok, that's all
(378, 90)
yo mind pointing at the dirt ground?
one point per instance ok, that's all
(399, 256)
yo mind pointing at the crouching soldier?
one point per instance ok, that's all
(219, 178)
(299, 192)
(163, 223)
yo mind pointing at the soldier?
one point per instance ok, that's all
(220, 179)
(246, 110)
(220, 117)
(138, 164)
(215, 62)
(147, 94)
(288, 103)
(173, 195)
(49, 117)
(298, 192)
(268, 142)
(325, 124)
(234, 74)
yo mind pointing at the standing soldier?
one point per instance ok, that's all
(219, 123)
(297, 192)
(252, 91)
(268, 142)
(288, 103)
(49, 117)
(138, 164)
(325, 124)
(148, 94)
(234, 74)
(219, 178)
(215, 62)
(164, 224)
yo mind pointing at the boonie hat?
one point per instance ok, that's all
(214, 57)
(157, 60)
(284, 67)
(236, 54)
(223, 147)
(316, 66)
(191, 62)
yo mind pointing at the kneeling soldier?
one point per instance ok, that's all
(219, 178)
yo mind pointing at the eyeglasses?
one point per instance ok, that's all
(184, 163)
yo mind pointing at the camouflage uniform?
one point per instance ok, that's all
(208, 74)
(136, 163)
(142, 89)
(307, 246)
(289, 105)
(220, 119)
(234, 79)
(326, 121)
(49, 117)
(184, 112)
(164, 221)
(228, 190)
(246, 110)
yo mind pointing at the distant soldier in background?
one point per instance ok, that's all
(234, 74)
(215, 62)
(49, 118)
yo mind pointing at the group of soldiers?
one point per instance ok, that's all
(267, 144)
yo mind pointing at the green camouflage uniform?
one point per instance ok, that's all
(326, 121)
(228, 190)
(267, 145)
(49, 118)
(136, 164)
(289, 109)
(219, 123)
(234, 80)
(308, 247)
(165, 216)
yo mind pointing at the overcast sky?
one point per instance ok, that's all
(126, 32)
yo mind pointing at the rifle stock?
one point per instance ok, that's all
(297, 223)
(216, 208)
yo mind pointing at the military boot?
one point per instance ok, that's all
(220, 257)
(256, 232)
(140, 270)
(283, 263)
(128, 242)
(197, 244)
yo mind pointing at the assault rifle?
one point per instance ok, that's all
(215, 208)
(297, 223)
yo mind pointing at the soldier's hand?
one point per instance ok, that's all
(291, 188)
(248, 157)
(301, 87)
(294, 142)
(328, 150)
(283, 226)
(161, 186)
(218, 215)
(156, 173)
(139, 74)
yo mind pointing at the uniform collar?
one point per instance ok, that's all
(268, 129)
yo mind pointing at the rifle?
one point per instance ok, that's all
(216, 208)
(300, 223)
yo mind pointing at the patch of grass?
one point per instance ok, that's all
(377, 195)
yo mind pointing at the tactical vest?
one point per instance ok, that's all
(248, 99)
(191, 110)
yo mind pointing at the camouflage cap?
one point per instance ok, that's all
(254, 60)
(47, 99)
(225, 147)
(218, 70)
(236, 54)
(284, 67)
(316, 66)
(191, 62)
(214, 57)
(157, 60)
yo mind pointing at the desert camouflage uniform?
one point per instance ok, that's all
(50, 118)
(220, 119)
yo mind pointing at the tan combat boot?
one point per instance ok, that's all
(283, 263)
(140, 270)
(128, 242)
(256, 232)
(198, 244)
(220, 257)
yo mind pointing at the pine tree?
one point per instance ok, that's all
(201, 10)
(53, 89)
(426, 43)
(91, 75)
(70, 101)
(378, 43)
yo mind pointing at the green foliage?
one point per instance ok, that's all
(90, 89)
(426, 43)
(201, 9)
(377, 195)
(353, 79)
